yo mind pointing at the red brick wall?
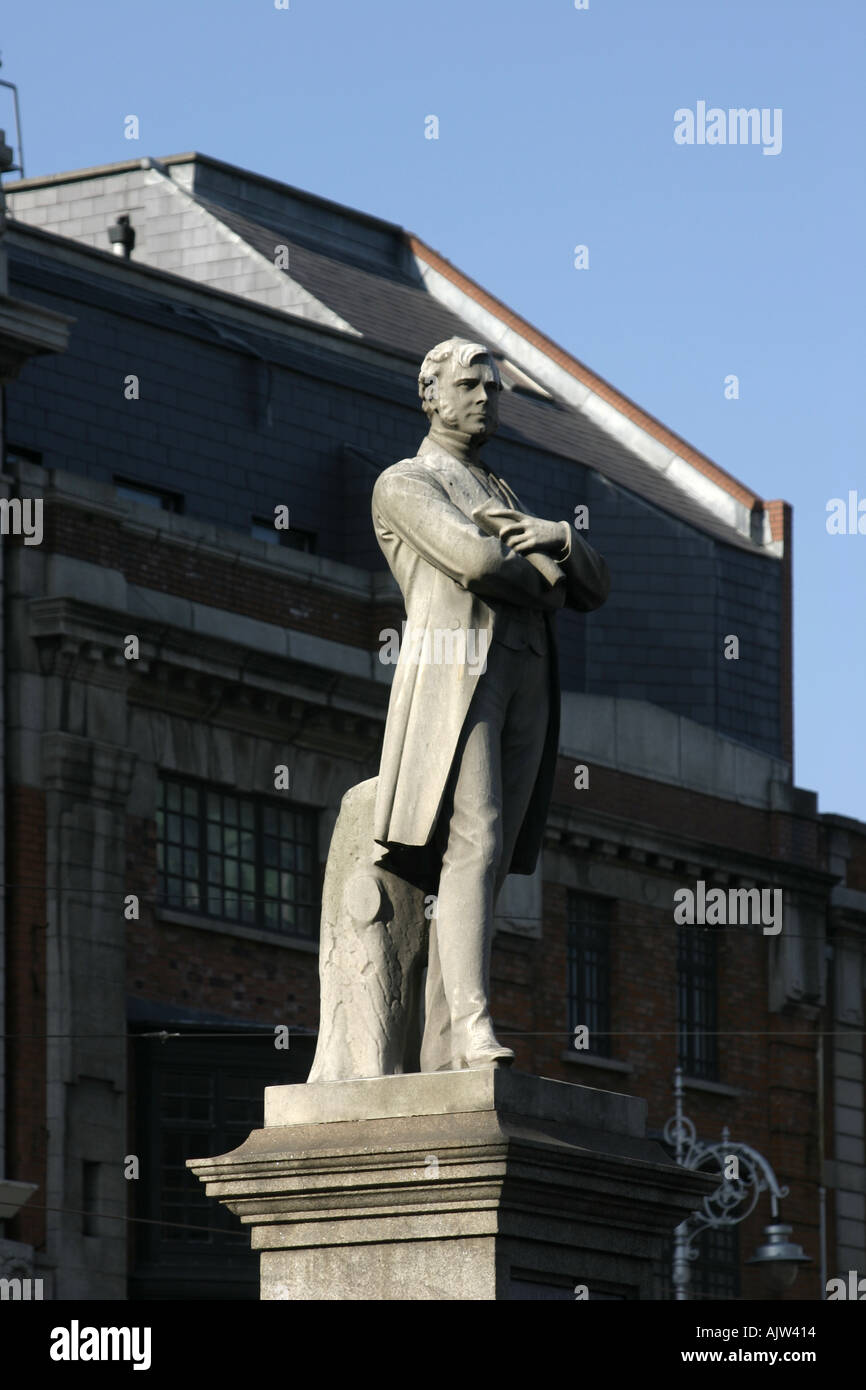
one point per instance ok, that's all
(769, 1058)
(178, 569)
(221, 973)
(683, 812)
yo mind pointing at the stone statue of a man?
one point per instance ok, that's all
(470, 746)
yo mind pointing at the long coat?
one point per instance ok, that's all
(452, 576)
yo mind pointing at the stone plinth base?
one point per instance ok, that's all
(454, 1185)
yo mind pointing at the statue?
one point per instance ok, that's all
(420, 853)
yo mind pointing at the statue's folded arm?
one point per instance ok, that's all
(420, 513)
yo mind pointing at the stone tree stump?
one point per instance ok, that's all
(372, 955)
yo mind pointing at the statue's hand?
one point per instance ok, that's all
(531, 533)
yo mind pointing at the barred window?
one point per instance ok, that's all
(713, 1275)
(195, 1095)
(697, 1002)
(244, 859)
(588, 963)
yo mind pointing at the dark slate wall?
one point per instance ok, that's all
(201, 429)
(750, 607)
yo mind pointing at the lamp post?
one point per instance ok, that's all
(744, 1174)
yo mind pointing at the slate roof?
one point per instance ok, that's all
(395, 310)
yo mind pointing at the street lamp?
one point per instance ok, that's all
(779, 1257)
(745, 1174)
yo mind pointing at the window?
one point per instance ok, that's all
(150, 496)
(240, 858)
(197, 1096)
(713, 1275)
(263, 530)
(190, 1107)
(588, 964)
(697, 1007)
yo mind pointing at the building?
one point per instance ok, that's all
(189, 691)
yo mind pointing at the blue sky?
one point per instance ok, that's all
(556, 128)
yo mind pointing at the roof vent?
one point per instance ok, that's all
(121, 234)
(7, 154)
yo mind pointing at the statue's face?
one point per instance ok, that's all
(468, 397)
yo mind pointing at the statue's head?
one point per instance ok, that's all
(459, 385)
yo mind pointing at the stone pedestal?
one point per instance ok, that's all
(455, 1185)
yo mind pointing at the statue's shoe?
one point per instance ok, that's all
(502, 1057)
(492, 1056)
(474, 1044)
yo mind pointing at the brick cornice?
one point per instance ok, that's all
(653, 818)
(161, 562)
